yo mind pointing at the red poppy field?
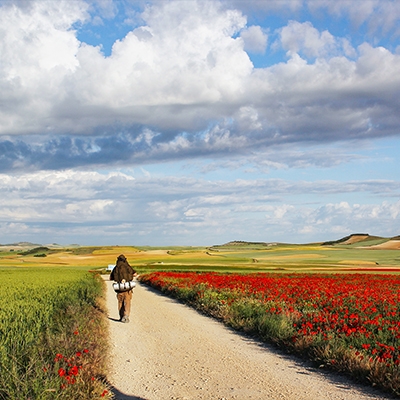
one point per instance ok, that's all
(346, 322)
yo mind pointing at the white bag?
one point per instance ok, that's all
(123, 286)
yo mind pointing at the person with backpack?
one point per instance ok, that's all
(121, 273)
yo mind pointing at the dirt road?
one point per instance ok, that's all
(169, 351)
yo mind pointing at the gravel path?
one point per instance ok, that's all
(170, 351)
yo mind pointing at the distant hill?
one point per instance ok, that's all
(367, 241)
(244, 243)
(63, 246)
(240, 245)
(353, 238)
(22, 244)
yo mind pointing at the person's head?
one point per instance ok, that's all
(121, 257)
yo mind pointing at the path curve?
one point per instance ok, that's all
(170, 351)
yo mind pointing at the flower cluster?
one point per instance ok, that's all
(360, 310)
(69, 367)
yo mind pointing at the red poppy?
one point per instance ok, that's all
(356, 308)
(73, 371)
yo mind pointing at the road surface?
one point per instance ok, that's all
(170, 351)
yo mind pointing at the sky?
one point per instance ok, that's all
(196, 123)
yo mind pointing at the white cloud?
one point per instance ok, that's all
(106, 8)
(248, 119)
(280, 211)
(190, 76)
(184, 55)
(90, 205)
(38, 51)
(296, 37)
(305, 39)
(255, 39)
(379, 15)
(343, 217)
(187, 57)
(282, 6)
(181, 86)
(38, 39)
(87, 209)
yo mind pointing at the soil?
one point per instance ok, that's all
(170, 351)
(389, 245)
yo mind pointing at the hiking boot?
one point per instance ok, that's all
(123, 319)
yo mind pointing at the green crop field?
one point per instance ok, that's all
(47, 320)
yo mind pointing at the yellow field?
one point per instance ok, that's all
(81, 257)
(361, 253)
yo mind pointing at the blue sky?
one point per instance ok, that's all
(198, 122)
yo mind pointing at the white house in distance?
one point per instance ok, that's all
(110, 267)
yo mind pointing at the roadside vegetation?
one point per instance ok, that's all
(53, 334)
(348, 323)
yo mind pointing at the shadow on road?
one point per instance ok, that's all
(114, 319)
(122, 396)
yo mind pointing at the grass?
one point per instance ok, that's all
(50, 334)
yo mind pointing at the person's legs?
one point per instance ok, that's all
(127, 305)
(121, 305)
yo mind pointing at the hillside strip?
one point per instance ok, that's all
(170, 351)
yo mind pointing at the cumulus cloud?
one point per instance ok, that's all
(184, 55)
(111, 205)
(183, 84)
(180, 85)
(303, 38)
(267, 6)
(255, 39)
(379, 15)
